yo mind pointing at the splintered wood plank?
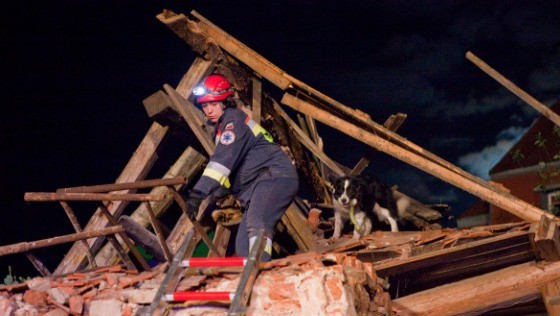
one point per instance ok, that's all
(340, 245)
(136, 169)
(458, 253)
(480, 294)
(551, 297)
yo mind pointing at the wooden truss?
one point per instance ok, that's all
(172, 109)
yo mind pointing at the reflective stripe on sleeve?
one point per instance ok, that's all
(218, 172)
(257, 129)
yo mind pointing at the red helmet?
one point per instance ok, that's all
(213, 88)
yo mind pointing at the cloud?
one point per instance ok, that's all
(479, 163)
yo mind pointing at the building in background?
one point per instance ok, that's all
(531, 169)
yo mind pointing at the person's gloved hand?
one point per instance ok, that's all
(193, 204)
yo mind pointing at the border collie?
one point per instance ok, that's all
(368, 196)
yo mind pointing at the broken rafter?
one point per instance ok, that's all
(26, 246)
(477, 295)
(498, 197)
(136, 169)
(124, 186)
(543, 109)
(49, 197)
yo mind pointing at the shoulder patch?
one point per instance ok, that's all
(227, 137)
(229, 125)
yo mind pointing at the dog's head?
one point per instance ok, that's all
(346, 191)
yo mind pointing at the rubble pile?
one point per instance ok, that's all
(330, 284)
(422, 270)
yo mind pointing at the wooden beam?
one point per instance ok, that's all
(188, 165)
(296, 226)
(78, 229)
(392, 123)
(26, 246)
(49, 197)
(307, 142)
(136, 169)
(482, 293)
(158, 105)
(159, 232)
(125, 238)
(257, 99)
(38, 264)
(143, 237)
(195, 223)
(547, 239)
(188, 111)
(551, 297)
(543, 109)
(500, 198)
(143, 184)
(199, 69)
(188, 31)
(246, 55)
(457, 253)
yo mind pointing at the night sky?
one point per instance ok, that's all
(74, 74)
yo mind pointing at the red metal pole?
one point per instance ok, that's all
(214, 262)
(199, 296)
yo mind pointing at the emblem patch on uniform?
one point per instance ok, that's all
(227, 137)
(229, 126)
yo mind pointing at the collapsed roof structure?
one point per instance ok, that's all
(427, 270)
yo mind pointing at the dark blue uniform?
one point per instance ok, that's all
(251, 166)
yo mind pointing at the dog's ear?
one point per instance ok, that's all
(334, 182)
(331, 177)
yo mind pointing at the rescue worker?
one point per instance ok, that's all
(246, 163)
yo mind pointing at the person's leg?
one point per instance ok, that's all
(271, 197)
(242, 238)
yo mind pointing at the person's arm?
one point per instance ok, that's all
(230, 150)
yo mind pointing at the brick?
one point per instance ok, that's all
(35, 298)
(105, 307)
(39, 284)
(58, 295)
(76, 303)
(56, 312)
(282, 291)
(139, 296)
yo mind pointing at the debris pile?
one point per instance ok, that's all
(423, 269)
(333, 284)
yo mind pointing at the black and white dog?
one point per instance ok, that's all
(370, 200)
